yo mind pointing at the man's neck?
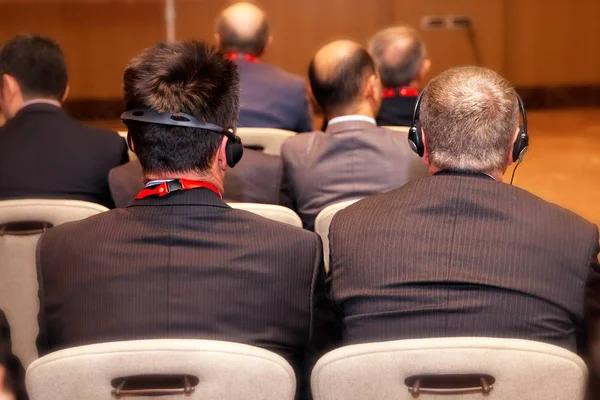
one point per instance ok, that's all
(496, 174)
(215, 181)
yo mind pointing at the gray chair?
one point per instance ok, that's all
(271, 211)
(21, 224)
(170, 368)
(450, 369)
(269, 140)
(323, 222)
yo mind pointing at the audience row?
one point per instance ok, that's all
(439, 247)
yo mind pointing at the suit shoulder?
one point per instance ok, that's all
(275, 228)
(299, 141)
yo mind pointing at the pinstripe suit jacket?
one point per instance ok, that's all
(185, 265)
(459, 254)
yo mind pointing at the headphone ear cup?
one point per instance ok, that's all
(234, 150)
(521, 145)
(415, 140)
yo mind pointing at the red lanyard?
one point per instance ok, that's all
(400, 91)
(172, 186)
(233, 56)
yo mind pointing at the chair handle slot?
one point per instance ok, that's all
(23, 228)
(154, 385)
(449, 384)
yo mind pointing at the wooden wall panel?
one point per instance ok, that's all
(553, 42)
(98, 38)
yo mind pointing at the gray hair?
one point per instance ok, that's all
(469, 116)
(398, 52)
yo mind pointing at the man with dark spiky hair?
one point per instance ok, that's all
(179, 262)
(45, 153)
(12, 375)
(269, 96)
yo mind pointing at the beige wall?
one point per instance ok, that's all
(532, 42)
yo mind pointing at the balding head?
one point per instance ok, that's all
(339, 74)
(243, 28)
(469, 117)
(399, 53)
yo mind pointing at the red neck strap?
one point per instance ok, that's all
(404, 91)
(233, 56)
(172, 186)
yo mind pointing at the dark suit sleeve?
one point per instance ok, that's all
(589, 340)
(286, 190)
(42, 339)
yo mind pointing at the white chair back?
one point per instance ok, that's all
(269, 139)
(18, 282)
(400, 129)
(511, 368)
(132, 155)
(214, 370)
(323, 222)
(271, 211)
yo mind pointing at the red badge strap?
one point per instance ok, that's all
(233, 56)
(171, 186)
(404, 91)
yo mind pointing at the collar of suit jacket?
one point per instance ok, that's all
(35, 107)
(195, 197)
(353, 125)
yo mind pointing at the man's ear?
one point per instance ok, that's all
(425, 152)
(218, 40)
(10, 87)
(222, 154)
(269, 43)
(512, 146)
(66, 94)
(373, 88)
(424, 70)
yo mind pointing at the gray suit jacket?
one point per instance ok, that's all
(351, 159)
(256, 179)
(460, 254)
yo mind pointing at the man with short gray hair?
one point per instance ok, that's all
(401, 59)
(460, 253)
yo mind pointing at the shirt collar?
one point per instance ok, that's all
(346, 118)
(41, 101)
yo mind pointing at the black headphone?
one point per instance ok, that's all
(415, 136)
(234, 149)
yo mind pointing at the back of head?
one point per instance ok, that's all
(243, 28)
(187, 77)
(338, 75)
(37, 64)
(469, 117)
(399, 53)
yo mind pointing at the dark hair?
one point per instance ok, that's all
(38, 65)
(187, 77)
(345, 84)
(397, 66)
(232, 41)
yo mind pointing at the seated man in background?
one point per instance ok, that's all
(12, 375)
(44, 153)
(353, 158)
(255, 179)
(401, 58)
(460, 253)
(269, 96)
(179, 262)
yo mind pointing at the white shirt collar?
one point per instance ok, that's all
(346, 118)
(41, 101)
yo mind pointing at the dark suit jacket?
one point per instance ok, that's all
(46, 153)
(351, 159)
(459, 254)
(182, 266)
(255, 179)
(12, 365)
(272, 98)
(396, 111)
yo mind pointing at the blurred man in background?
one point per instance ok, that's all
(401, 59)
(460, 253)
(44, 153)
(353, 158)
(269, 97)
